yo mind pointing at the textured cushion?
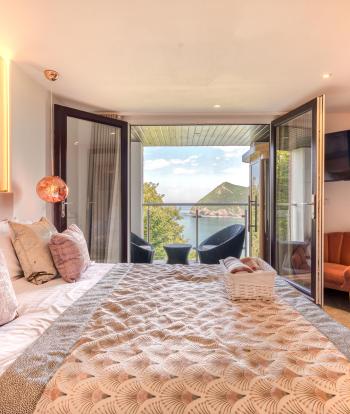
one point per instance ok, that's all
(70, 253)
(8, 302)
(31, 244)
(8, 250)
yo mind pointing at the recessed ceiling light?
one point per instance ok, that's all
(326, 75)
(217, 106)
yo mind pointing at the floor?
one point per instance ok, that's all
(337, 305)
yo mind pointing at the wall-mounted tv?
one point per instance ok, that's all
(337, 156)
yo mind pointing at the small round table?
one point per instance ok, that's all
(177, 253)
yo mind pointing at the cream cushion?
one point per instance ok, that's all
(8, 302)
(31, 245)
(8, 250)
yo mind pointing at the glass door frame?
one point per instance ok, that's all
(61, 113)
(317, 170)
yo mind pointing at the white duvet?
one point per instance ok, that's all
(39, 306)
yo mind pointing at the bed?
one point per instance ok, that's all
(39, 306)
(166, 339)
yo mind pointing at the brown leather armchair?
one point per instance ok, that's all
(337, 261)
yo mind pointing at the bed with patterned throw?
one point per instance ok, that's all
(152, 339)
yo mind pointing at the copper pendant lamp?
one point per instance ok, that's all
(51, 188)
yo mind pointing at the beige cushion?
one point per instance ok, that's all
(31, 244)
(8, 302)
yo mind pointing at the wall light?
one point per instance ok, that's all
(4, 125)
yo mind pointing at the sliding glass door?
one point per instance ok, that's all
(297, 155)
(91, 156)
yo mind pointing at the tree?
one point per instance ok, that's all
(282, 194)
(164, 221)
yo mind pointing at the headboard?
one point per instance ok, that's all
(6, 206)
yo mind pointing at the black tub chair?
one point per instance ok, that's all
(141, 251)
(226, 242)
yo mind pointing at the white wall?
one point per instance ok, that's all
(29, 132)
(337, 193)
(30, 141)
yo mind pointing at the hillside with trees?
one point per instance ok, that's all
(225, 193)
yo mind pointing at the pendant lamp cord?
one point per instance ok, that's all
(51, 134)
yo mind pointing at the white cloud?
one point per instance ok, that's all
(156, 164)
(177, 161)
(233, 152)
(159, 163)
(183, 171)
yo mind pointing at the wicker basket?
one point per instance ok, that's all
(257, 285)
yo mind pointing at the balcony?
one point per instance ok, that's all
(195, 223)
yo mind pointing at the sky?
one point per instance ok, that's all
(185, 174)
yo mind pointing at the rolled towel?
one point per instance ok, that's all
(252, 262)
(234, 265)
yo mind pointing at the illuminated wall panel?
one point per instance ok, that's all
(4, 126)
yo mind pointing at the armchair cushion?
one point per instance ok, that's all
(334, 274)
(337, 261)
(345, 250)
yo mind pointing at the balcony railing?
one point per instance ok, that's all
(193, 211)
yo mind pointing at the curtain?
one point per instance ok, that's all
(104, 194)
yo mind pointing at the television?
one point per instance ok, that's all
(337, 156)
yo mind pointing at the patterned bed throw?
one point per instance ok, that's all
(168, 340)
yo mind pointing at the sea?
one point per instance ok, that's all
(207, 225)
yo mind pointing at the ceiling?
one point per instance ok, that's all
(184, 56)
(199, 135)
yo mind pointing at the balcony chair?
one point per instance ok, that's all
(226, 242)
(141, 250)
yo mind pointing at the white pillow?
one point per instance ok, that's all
(8, 250)
(8, 301)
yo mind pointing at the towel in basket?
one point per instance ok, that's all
(258, 284)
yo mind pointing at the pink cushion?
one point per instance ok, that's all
(70, 253)
(8, 302)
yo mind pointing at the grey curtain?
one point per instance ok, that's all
(104, 194)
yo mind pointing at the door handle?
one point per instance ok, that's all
(256, 214)
(63, 208)
(254, 203)
(314, 201)
(248, 215)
